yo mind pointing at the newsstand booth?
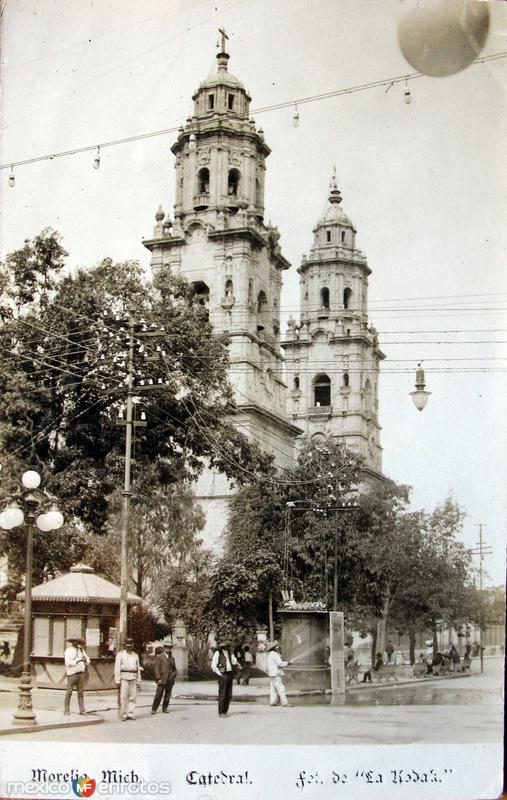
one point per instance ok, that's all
(79, 603)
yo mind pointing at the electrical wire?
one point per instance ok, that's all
(253, 112)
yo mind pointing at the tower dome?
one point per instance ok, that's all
(333, 213)
(221, 92)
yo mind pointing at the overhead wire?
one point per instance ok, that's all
(260, 110)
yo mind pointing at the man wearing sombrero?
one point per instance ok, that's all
(275, 672)
(76, 661)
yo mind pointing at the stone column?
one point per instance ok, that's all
(336, 644)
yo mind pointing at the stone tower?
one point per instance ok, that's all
(332, 355)
(221, 244)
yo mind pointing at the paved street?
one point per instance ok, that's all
(467, 709)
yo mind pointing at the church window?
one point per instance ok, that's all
(230, 102)
(296, 384)
(324, 297)
(262, 302)
(328, 236)
(203, 180)
(343, 236)
(262, 310)
(250, 291)
(201, 297)
(228, 288)
(322, 390)
(347, 294)
(211, 102)
(346, 380)
(233, 184)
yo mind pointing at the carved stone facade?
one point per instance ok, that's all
(220, 242)
(332, 355)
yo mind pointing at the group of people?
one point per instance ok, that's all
(225, 663)
(449, 660)
(127, 676)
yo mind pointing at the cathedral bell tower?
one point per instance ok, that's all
(220, 243)
(332, 355)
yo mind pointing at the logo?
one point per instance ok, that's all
(84, 786)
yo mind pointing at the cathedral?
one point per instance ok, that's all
(321, 377)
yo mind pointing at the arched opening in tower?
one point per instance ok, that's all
(233, 183)
(203, 181)
(262, 310)
(324, 298)
(322, 390)
(347, 297)
(200, 297)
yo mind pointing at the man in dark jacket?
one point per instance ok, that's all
(222, 664)
(164, 668)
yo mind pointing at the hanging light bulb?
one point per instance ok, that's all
(12, 179)
(407, 96)
(295, 118)
(420, 396)
(96, 160)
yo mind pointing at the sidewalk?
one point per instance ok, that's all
(46, 720)
(48, 702)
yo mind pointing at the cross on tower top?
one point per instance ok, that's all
(223, 37)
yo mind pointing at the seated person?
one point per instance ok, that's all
(376, 669)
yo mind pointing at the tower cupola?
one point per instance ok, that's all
(221, 93)
(334, 227)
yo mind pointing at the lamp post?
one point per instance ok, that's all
(38, 508)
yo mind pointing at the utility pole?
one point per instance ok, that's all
(481, 550)
(127, 493)
(135, 331)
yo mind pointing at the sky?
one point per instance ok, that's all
(423, 183)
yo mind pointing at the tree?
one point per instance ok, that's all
(183, 593)
(438, 584)
(277, 539)
(62, 381)
(164, 527)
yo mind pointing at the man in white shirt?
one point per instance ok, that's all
(127, 675)
(76, 661)
(222, 665)
(274, 668)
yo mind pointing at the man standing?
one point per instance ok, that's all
(164, 668)
(389, 651)
(275, 672)
(76, 661)
(127, 675)
(222, 665)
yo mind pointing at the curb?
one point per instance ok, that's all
(47, 726)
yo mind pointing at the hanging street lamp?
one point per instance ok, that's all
(420, 396)
(36, 507)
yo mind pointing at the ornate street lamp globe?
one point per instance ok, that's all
(30, 479)
(43, 523)
(11, 517)
(55, 518)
